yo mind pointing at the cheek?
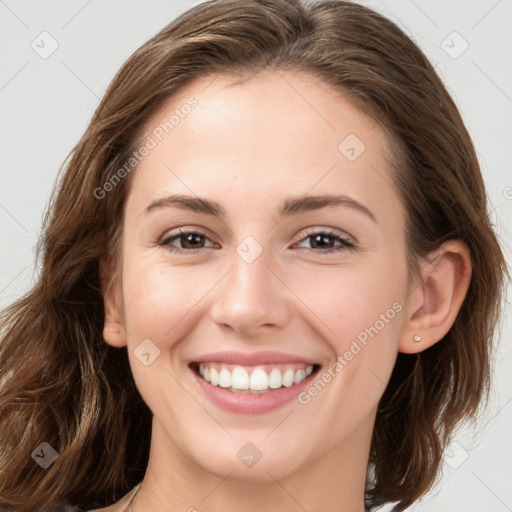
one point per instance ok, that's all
(158, 298)
(160, 304)
(361, 312)
(352, 300)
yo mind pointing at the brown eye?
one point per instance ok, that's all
(322, 242)
(191, 240)
(188, 241)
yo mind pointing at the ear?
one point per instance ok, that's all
(114, 332)
(436, 298)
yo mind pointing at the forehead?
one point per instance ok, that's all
(275, 134)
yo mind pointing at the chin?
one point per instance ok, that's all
(245, 461)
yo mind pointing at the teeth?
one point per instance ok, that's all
(258, 379)
(224, 378)
(300, 375)
(288, 378)
(239, 378)
(214, 377)
(275, 380)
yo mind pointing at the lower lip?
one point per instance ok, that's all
(251, 403)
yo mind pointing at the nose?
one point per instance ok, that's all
(251, 299)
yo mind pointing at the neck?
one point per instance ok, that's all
(334, 480)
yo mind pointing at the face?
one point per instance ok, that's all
(263, 247)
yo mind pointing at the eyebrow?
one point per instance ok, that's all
(291, 206)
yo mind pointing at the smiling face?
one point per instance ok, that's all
(294, 276)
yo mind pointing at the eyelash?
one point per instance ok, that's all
(345, 244)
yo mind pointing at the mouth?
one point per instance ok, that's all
(259, 379)
(252, 383)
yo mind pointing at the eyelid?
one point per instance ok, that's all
(328, 230)
(185, 229)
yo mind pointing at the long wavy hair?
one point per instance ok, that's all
(60, 382)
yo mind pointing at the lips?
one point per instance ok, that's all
(254, 382)
(254, 358)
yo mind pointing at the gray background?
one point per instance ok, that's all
(46, 104)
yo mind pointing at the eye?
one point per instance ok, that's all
(324, 242)
(190, 241)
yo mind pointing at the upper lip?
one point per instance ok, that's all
(253, 358)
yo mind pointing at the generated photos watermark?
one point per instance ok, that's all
(356, 346)
(151, 142)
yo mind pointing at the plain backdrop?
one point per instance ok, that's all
(49, 90)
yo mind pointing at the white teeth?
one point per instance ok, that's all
(214, 377)
(274, 379)
(225, 378)
(239, 378)
(300, 375)
(259, 380)
(288, 378)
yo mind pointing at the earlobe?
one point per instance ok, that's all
(435, 301)
(114, 332)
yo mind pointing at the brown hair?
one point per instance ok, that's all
(62, 384)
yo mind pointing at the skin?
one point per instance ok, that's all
(249, 146)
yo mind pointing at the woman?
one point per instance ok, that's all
(269, 278)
